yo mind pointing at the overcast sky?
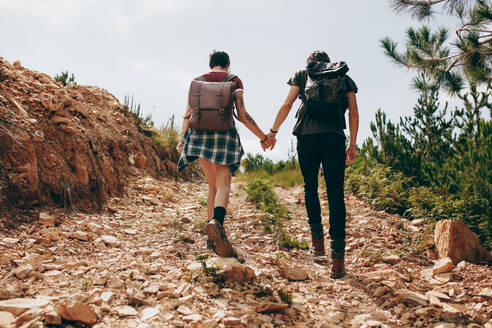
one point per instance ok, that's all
(151, 49)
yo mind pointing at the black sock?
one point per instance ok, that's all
(219, 214)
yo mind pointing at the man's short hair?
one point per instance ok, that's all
(318, 56)
(219, 58)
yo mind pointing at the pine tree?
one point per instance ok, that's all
(449, 63)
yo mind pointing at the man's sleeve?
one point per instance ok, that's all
(350, 85)
(294, 80)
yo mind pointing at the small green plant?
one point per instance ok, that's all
(178, 226)
(200, 226)
(65, 78)
(287, 241)
(145, 124)
(185, 238)
(202, 201)
(280, 255)
(260, 192)
(263, 291)
(85, 284)
(267, 228)
(213, 272)
(285, 296)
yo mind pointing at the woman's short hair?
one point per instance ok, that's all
(219, 58)
(318, 56)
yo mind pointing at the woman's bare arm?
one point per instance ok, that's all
(184, 128)
(245, 118)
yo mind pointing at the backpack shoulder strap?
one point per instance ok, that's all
(229, 77)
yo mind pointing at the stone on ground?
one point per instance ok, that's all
(455, 240)
(47, 219)
(17, 306)
(23, 271)
(443, 265)
(7, 319)
(149, 313)
(75, 311)
(270, 307)
(126, 311)
(231, 269)
(291, 273)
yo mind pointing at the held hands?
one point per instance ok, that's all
(269, 142)
(351, 154)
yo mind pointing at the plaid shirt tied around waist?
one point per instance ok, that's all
(218, 147)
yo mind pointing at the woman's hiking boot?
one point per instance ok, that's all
(210, 244)
(337, 268)
(216, 233)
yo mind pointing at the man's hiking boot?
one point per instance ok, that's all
(319, 247)
(216, 233)
(337, 268)
(319, 252)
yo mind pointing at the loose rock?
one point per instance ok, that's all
(292, 273)
(455, 240)
(75, 311)
(443, 265)
(7, 319)
(17, 306)
(271, 307)
(126, 311)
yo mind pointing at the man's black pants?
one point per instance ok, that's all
(327, 149)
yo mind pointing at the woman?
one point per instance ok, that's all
(219, 153)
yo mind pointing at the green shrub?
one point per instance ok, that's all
(384, 188)
(65, 78)
(444, 156)
(166, 139)
(284, 178)
(260, 192)
(285, 296)
(252, 163)
(391, 191)
(287, 241)
(145, 124)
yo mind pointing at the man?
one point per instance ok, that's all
(322, 141)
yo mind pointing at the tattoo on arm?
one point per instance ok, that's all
(241, 107)
(241, 101)
(250, 119)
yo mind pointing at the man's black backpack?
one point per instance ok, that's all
(325, 95)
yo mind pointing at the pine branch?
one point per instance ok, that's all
(390, 50)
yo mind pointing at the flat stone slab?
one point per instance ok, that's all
(17, 306)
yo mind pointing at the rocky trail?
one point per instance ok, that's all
(144, 263)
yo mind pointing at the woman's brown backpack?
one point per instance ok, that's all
(212, 104)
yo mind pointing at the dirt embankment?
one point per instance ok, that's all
(66, 146)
